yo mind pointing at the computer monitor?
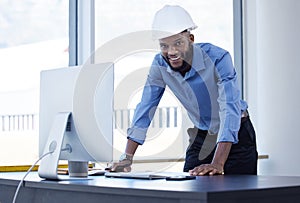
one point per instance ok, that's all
(76, 116)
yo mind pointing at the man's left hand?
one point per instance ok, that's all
(207, 169)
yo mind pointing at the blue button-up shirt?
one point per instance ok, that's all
(209, 92)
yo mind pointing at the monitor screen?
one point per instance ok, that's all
(76, 113)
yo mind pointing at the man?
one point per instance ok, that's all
(204, 80)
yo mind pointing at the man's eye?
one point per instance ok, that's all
(179, 43)
(163, 46)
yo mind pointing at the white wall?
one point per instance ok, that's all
(272, 69)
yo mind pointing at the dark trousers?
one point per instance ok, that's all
(242, 158)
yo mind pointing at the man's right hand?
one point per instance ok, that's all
(124, 164)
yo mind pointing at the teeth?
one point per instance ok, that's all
(174, 59)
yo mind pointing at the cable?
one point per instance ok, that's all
(28, 171)
(52, 149)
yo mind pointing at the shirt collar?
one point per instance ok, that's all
(198, 63)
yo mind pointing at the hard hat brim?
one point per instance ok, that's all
(159, 34)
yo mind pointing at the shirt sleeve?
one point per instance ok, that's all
(144, 112)
(229, 100)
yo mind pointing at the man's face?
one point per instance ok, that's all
(177, 48)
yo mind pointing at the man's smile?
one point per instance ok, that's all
(173, 58)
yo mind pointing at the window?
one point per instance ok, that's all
(33, 37)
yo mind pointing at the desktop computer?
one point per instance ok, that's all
(76, 117)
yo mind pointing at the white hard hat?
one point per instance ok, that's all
(170, 20)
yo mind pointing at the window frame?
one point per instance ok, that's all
(238, 41)
(81, 31)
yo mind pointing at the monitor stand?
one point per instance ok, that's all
(49, 164)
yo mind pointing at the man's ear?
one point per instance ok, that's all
(191, 37)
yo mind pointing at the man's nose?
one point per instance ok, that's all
(172, 50)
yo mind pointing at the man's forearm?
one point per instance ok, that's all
(221, 153)
(131, 147)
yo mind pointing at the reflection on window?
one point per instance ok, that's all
(33, 37)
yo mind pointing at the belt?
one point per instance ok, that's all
(244, 116)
